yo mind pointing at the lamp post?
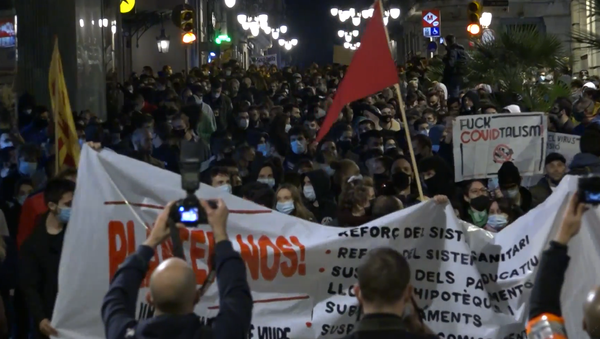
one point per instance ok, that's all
(163, 42)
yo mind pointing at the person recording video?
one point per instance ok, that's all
(173, 290)
(545, 315)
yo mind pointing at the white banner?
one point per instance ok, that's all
(266, 60)
(469, 282)
(482, 143)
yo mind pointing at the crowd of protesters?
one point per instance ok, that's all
(255, 131)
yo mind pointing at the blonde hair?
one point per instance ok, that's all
(300, 210)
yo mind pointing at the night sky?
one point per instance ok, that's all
(311, 23)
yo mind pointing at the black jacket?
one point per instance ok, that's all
(326, 209)
(545, 296)
(235, 301)
(540, 192)
(383, 326)
(38, 270)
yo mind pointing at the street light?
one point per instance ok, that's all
(255, 29)
(281, 42)
(486, 19)
(263, 17)
(245, 26)
(386, 20)
(275, 34)
(230, 3)
(395, 13)
(334, 11)
(341, 33)
(354, 33)
(356, 20)
(352, 12)
(283, 29)
(163, 42)
(294, 42)
(267, 30)
(241, 18)
(348, 38)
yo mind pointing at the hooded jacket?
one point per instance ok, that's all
(584, 163)
(324, 208)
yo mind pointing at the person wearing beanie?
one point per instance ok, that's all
(509, 181)
(556, 168)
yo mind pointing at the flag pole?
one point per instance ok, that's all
(54, 108)
(404, 122)
(410, 148)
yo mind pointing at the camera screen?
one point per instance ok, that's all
(190, 215)
(592, 197)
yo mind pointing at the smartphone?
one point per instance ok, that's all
(589, 190)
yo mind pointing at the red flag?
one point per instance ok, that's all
(371, 70)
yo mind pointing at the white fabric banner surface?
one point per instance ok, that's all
(482, 143)
(470, 283)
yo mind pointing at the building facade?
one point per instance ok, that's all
(551, 16)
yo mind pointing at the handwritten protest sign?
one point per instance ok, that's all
(266, 60)
(469, 283)
(565, 144)
(482, 143)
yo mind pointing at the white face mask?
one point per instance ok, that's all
(268, 181)
(225, 188)
(288, 127)
(309, 193)
(513, 193)
(243, 123)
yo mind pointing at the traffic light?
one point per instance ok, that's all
(474, 14)
(222, 38)
(188, 38)
(183, 17)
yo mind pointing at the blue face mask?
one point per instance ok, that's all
(285, 207)
(497, 221)
(262, 148)
(435, 148)
(64, 215)
(27, 168)
(298, 147)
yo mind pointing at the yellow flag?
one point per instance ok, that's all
(66, 142)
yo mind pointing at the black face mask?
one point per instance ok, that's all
(344, 145)
(481, 203)
(386, 118)
(401, 180)
(179, 133)
(435, 185)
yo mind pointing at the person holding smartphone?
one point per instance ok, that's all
(173, 289)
